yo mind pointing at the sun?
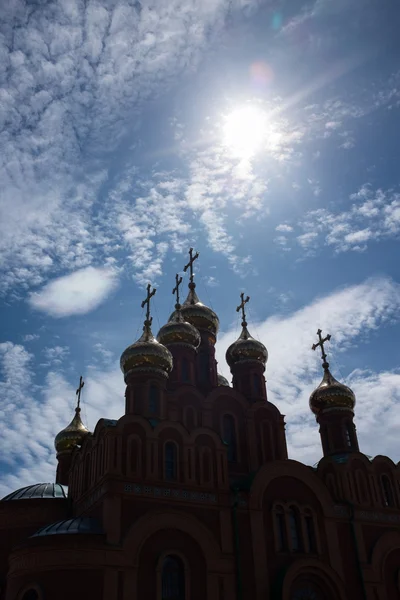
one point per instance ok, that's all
(244, 131)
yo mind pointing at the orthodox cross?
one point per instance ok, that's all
(241, 307)
(321, 343)
(178, 281)
(78, 391)
(190, 264)
(146, 301)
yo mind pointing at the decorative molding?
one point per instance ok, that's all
(172, 494)
(375, 516)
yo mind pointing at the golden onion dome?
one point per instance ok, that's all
(331, 394)
(222, 380)
(178, 331)
(198, 314)
(147, 354)
(246, 348)
(73, 435)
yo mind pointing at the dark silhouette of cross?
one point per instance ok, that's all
(241, 307)
(78, 391)
(321, 343)
(190, 264)
(178, 281)
(146, 301)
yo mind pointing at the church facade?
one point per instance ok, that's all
(190, 495)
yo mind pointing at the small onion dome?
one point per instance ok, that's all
(147, 354)
(246, 348)
(72, 436)
(38, 490)
(178, 331)
(331, 394)
(198, 314)
(222, 380)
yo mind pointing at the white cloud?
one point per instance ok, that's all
(284, 228)
(293, 370)
(30, 337)
(55, 355)
(76, 293)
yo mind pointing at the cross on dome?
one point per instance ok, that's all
(146, 302)
(242, 308)
(78, 391)
(190, 265)
(178, 281)
(321, 343)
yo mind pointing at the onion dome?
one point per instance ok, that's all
(222, 380)
(80, 525)
(39, 490)
(246, 348)
(179, 331)
(147, 354)
(73, 435)
(198, 314)
(330, 394)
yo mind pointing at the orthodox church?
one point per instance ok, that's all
(190, 495)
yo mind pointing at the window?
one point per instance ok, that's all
(204, 367)
(229, 432)
(30, 595)
(185, 370)
(256, 385)
(294, 526)
(153, 399)
(170, 462)
(348, 434)
(173, 579)
(310, 531)
(190, 418)
(387, 491)
(281, 529)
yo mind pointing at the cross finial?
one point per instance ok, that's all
(146, 302)
(178, 281)
(321, 343)
(241, 307)
(190, 264)
(78, 392)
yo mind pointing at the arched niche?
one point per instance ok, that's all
(321, 580)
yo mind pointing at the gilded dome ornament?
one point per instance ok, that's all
(74, 434)
(195, 312)
(177, 330)
(330, 394)
(246, 348)
(147, 354)
(222, 381)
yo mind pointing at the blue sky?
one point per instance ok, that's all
(264, 134)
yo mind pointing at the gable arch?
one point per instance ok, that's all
(152, 522)
(231, 393)
(383, 460)
(287, 468)
(386, 543)
(163, 425)
(210, 433)
(313, 568)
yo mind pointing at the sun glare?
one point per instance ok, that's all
(245, 131)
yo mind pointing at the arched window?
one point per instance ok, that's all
(185, 370)
(173, 579)
(207, 465)
(229, 432)
(294, 529)
(30, 595)
(256, 385)
(171, 471)
(310, 531)
(387, 492)
(190, 417)
(204, 367)
(154, 395)
(348, 435)
(86, 477)
(361, 487)
(280, 529)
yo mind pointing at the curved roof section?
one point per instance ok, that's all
(39, 490)
(80, 525)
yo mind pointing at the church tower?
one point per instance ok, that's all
(68, 439)
(333, 404)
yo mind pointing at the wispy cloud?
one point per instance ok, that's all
(76, 293)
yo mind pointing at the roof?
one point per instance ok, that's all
(80, 525)
(39, 490)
